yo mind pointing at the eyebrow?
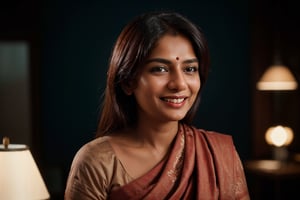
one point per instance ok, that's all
(165, 61)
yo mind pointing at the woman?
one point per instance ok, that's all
(146, 147)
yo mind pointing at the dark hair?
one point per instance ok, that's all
(131, 49)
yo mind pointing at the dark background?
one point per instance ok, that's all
(70, 44)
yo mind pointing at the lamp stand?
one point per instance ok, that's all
(280, 153)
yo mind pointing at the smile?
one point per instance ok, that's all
(174, 100)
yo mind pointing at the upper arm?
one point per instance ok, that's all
(87, 178)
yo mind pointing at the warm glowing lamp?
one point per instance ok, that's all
(279, 136)
(277, 77)
(20, 178)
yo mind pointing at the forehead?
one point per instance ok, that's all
(173, 46)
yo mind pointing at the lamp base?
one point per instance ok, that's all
(280, 153)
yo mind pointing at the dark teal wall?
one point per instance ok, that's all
(77, 38)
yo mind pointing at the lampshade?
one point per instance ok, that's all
(20, 178)
(277, 77)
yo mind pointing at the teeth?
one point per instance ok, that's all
(175, 100)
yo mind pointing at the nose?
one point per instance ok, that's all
(177, 81)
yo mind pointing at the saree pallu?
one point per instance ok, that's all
(201, 165)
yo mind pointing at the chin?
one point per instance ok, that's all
(177, 118)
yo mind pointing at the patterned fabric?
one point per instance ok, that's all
(201, 165)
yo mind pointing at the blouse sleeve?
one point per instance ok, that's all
(95, 171)
(87, 179)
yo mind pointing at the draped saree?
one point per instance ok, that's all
(202, 165)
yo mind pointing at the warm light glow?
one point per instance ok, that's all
(279, 136)
(268, 165)
(19, 175)
(277, 77)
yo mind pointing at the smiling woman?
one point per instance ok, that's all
(167, 88)
(146, 146)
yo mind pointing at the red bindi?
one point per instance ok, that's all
(177, 58)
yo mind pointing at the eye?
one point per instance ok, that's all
(158, 69)
(191, 69)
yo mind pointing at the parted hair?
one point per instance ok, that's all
(131, 49)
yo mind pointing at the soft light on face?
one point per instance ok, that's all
(169, 81)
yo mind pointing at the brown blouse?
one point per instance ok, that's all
(95, 172)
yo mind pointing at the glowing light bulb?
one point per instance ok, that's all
(279, 136)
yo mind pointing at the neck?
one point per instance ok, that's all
(158, 135)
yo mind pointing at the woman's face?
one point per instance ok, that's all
(169, 81)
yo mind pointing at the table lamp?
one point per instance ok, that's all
(279, 137)
(20, 178)
(278, 78)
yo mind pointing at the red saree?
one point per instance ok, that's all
(201, 165)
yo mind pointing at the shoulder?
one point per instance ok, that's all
(89, 175)
(215, 140)
(95, 170)
(220, 144)
(94, 159)
(95, 150)
(211, 136)
(228, 165)
(216, 137)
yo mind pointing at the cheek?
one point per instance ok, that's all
(142, 85)
(195, 85)
(150, 85)
(144, 88)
